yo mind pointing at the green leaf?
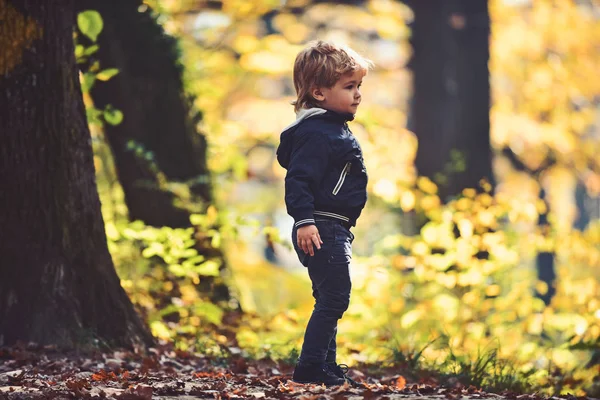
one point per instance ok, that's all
(198, 219)
(208, 268)
(95, 66)
(178, 270)
(93, 115)
(87, 82)
(170, 309)
(216, 240)
(195, 260)
(112, 115)
(107, 74)
(159, 329)
(187, 253)
(90, 23)
(91, 50)
(210, 312)
(79, 51)
(154, 249)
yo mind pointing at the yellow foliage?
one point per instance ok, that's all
(542, 60)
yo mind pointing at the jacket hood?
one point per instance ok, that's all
(284, 151)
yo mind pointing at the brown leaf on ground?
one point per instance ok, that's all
(400, 383)
(31, 372)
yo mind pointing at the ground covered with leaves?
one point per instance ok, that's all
(35, 372)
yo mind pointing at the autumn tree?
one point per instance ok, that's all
(545, 106)
(158, 117)
(451, 93)
(157, 146)
(58, 285)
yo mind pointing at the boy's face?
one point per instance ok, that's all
(344, 96)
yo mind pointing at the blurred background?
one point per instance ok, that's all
(478, 253)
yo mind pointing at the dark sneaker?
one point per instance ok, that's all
(316, 373)
(341, 371)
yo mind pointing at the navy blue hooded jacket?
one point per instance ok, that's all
(326, 174)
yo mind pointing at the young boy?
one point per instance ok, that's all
(325, 192)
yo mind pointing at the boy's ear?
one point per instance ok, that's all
(317, 93)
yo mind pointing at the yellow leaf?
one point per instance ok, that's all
(492, 290)
(430, 202)
(469, 192)
(465, 227)
(386, 189)
(410, 318)
(420, 249)
(160, 330)
(245, 43)
(407, 201)
(486, 218)
(426, 185)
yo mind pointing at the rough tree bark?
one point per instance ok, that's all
(451, 100)
(58, 284)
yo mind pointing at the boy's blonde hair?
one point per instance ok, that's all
(322, 64)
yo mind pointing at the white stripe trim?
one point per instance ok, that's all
(304, 220)
(329, 214)
(342, 178)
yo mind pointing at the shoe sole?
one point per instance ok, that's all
(317, 383)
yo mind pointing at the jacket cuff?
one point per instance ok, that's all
(304, 222)
(304, 218)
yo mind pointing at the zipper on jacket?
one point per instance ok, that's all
(340, 181)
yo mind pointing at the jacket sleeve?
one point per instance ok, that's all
(308, 163)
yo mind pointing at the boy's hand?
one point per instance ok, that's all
(307, 235)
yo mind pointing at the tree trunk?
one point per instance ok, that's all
(58, 282)
(450, 106)
(157, 115)
(545, 259)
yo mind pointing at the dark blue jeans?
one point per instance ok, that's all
(329, 271)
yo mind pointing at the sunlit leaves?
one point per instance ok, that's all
(541, 64)
(245, 43)
(81, 51)
(87, 81)
(112, 115)
(90, 24)
(291, 27)
(248, 8)
(208, 311)
(159, 329)
(172, 268)
(106, 74)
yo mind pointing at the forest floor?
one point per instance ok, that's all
(34, 372)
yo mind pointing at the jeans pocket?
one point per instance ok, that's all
(327, 234)
(341, 252)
